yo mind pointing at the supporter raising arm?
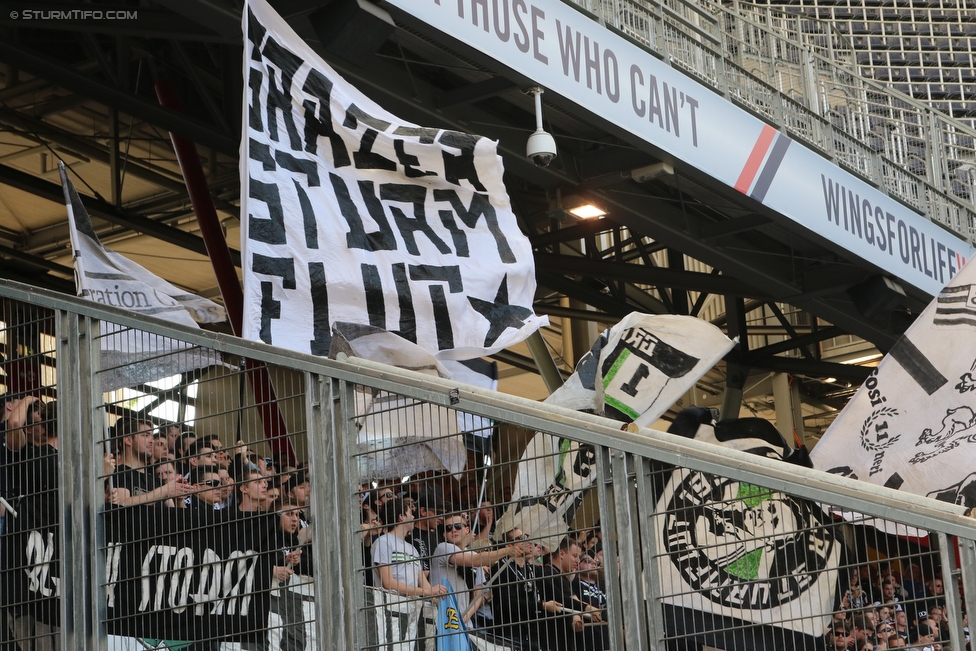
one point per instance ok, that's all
(19, 418)
(453, 553)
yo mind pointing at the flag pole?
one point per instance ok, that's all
(551, 376)
(484, 483)
(473, 608)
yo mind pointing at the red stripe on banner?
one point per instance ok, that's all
(748, 174)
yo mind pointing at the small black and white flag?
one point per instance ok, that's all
(956, 306)
(131, 357)
(633, 373)
(650, 361)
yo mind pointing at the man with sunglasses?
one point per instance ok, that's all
(885, 631)
(381, 496)
(452, 560)
(206, 488)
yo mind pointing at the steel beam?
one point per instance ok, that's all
(572, 233)
(103, 210)
(685, 280)
(48, 239)
(40, 132)
(806, 367)
(139, 107)
(796, 341)
(34, 261)
(581, 292)
(475, 92)
(208, 14)
(47, 281)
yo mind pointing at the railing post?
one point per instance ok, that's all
(810, 82)
(950, 576)
(648, 538)
(618, 513)
(611, 534)
(658, 42)
(339, 595)
(78, 499)
(967, 571)
(937, 171)
(92, 421)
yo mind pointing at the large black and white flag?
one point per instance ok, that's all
(912, 424)
(351, 214)
(742, 567)
(633, 373)
(131, 357)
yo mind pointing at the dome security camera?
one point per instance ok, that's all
(541, 147)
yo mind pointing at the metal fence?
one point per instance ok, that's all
(380, 490)
(800, 74)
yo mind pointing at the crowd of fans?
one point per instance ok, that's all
(507, 587)
(157, 467)
(885, 609)
(418, 544)
(175, 468)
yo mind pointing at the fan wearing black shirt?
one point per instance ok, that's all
(425, 535)
(135, 483)
(29, 458)
(29, 467)
(292, 558)
(517, 596)
(557, 586)
(206, 486)
(587, 589)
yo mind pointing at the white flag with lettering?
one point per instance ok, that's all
(633, 373)
(350, 214)
(131, 357)
(912, 424)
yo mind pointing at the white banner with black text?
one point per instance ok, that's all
(351, 214)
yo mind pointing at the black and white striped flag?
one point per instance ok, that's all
(956, 306)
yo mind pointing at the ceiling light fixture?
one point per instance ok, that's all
(580, 207)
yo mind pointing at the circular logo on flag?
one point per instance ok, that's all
(743, 546)
(875, 433)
